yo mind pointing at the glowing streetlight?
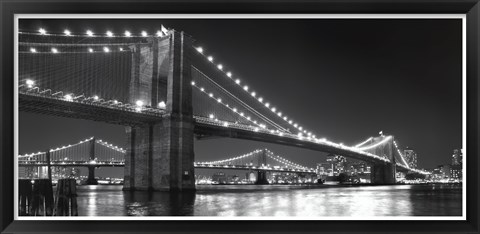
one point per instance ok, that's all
(90, 50)
(106, 49)
(139, 103)
(68, 97)
(162, 105)
(67, 33)
(109, 34)
(200, 49)
(33, 50)
(42, 31)
(89, 33)
(54, 50)
(220, 66)
(210, 58)
(144, 34)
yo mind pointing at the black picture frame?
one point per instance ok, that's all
(10, 7)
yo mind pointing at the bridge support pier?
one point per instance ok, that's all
(160, 155)
(262, 178)
(383, 173)
(91, 176)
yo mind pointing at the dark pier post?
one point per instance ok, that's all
(160, 156)
(66, 198)
(40, 201)
(49, 164)
(262, 175)
(91, 168)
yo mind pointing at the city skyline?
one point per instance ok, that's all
(436, 116)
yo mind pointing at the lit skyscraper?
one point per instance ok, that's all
(457, 157)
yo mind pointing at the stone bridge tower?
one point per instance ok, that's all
(160, 155)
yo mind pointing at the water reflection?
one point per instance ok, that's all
(275, 200)
(140, 203)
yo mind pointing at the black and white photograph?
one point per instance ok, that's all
(240, 117)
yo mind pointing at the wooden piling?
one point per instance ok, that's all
(25, 195)
(35, 199)
(66, 198)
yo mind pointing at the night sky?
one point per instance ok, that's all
(344, 80)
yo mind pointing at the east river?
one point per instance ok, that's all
(275, 200)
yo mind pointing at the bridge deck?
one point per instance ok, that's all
(81, 110)
(204, 128)
(197, 166)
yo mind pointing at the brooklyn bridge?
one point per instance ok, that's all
(166, 90)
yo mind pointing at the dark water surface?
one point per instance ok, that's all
(275, 200)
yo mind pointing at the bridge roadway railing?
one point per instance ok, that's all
(92, 101)
(72, 163)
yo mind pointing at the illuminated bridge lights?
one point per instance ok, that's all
(42, 31)
(220, 102)
(318, 141)
(70, 97)
(90, 33)
(246, 88)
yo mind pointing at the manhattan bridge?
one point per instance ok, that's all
(166, 90)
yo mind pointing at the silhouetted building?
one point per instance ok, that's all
(457, 157)
(35, 172)
(456, 172)
(65, 172)
(323, 169)
(355, 167)
(220, 177)
(22, 173)
(233, 179)
(337, 164)
(331, 164)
